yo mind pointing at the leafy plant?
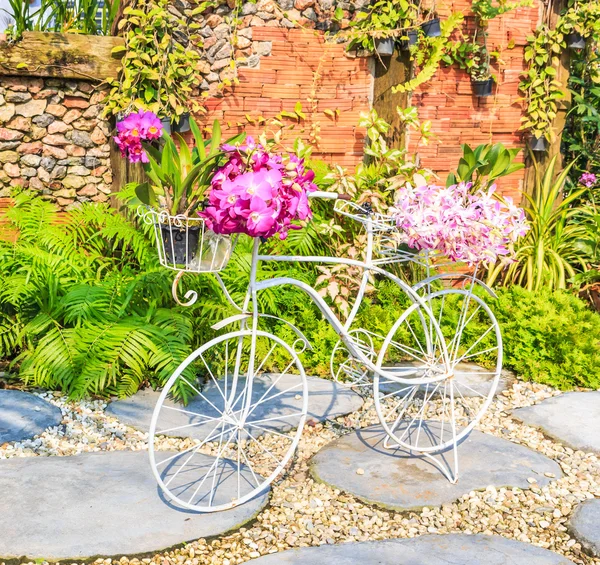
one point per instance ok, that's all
(549, 254)
(485, 164)
(89, 306)
(90, 17)
(550, 337)
(161, 63)
(385, 18)
(178, 176)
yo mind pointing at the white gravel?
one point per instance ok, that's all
(303, 513)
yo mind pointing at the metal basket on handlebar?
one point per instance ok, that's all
(186, 244)
(364, 214)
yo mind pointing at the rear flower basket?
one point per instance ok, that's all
(186, 244)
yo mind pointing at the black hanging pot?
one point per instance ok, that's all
(405, 44)
(432, 28)
(181, 124)
(575, 41)
(538, 143)
(166, 124)
(180, 245)
(385, 47)
(483, 88)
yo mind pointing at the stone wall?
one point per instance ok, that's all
(54, 140)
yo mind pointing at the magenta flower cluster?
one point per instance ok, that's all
(466, 227)
(588, 179)
(132, 130)
(258, 193)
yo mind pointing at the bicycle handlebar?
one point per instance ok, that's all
(328, 195)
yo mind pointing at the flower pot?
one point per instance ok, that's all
(575, 41)
(180, 244)
(405, 44)
(483, 88)
(181, 124)
(538, 143)
(384, 47)
(432, 28)
(166, 124)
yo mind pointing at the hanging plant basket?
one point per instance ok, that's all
(405, 44)
(384, 47)
(182, 123)
(575, 41)
(483, 88)
(538, 143)
(432, 28)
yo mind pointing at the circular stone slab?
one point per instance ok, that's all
(24, 415)
(459, 549)
(473, 378)
(572, 418)
(326, 399)
(396, 480)
(584, 525)
(93, 504)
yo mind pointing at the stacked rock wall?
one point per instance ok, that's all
(54, 140)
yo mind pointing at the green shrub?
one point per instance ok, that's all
(549, 337)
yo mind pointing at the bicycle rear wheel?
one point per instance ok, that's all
(247, 407)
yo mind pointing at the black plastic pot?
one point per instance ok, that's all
(412, 40)
(432, 28)
(384, 47)
(575, 41)
(179, 249)
(183, 124)
(538, 143)
(483, 88)
(166, 124)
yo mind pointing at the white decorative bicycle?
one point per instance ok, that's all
(434, 370)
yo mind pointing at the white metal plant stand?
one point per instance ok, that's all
(424, 401)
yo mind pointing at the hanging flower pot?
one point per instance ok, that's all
(182, 123)
(538, 143)
(483, 88)
(575, 41)
(385, 47)
(166, 125)
(405, 44)
(432, 28)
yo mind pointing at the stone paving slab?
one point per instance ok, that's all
(451, 549)
(105, 504)
(393, 479)
(475, 381)
(584, 525)
(24, 415)
(572, 418)
(326, 399)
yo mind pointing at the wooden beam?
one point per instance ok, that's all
(62, 55)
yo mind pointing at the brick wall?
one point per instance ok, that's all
(299, 66)
(459, 117)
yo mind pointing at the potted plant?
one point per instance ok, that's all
(571, 25)
(431, 24)
(178, 178)
(161, 66)
(378, 29)
(409, 39)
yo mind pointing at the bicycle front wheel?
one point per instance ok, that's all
(433, 416)
(247, 403)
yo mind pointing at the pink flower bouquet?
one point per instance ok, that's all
(258, 193)
(136, 128)
(466, 227)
